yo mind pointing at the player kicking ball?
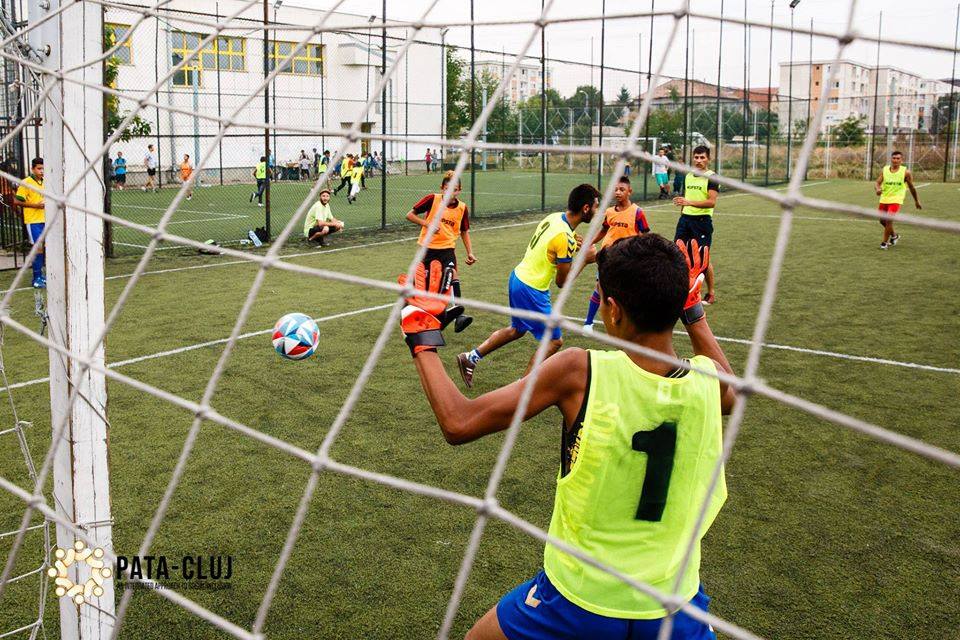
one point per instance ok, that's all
(454, 223)
(892, 186)
(622, 220)
(639, 443)
(547, 259)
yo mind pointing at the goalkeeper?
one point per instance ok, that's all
(639, 443)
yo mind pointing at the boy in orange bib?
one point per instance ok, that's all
(623, 220)
(454, 223)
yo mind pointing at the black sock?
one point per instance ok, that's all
(456, 288)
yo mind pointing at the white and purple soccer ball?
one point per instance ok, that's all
(295, 336)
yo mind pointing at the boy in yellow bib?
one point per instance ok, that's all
(639, 443)
(547, 259)
(29, 199)
(892, 186)
(699, 198)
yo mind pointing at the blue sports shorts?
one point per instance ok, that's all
(535, 610)
(662, 179)
(523, 296)
(34, 231)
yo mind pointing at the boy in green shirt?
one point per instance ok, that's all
(320, 221)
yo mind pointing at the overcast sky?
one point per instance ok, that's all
(926, 21)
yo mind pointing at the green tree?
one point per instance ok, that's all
(138, 127)
(851, 131)
(458, 93)
(623, 97)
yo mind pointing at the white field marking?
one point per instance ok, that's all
(820, 352)
(143, 246)
(315, 252)
(346, 314)
(921, 186)
(201, 345)
(207, 213)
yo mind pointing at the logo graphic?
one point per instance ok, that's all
(98, 572)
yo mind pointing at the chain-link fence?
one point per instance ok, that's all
(754, 134)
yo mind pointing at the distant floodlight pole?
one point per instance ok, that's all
(543, 113)
(603, 41)
(766, 171)
(809, 92)
(443, 83)
(473, 113)
(73, 128)
(718, 123)
(951, 98)
(383, 120)
(646, 124)
(266, 112)
(876, 98)
(793, 5)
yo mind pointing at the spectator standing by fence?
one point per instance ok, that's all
(119, 171)
(150, 162)
(429, 160)
(304, 163)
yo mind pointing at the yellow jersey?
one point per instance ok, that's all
(356, 174)
(894, 185)
(634, 472)
(552, 243)
(32, 198)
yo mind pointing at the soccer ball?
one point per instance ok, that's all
(295, 336)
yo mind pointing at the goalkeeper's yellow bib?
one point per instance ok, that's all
(647, 449)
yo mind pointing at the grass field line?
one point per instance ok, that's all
(355, 312)
(226, 216)
(821, 352)
(201, 345)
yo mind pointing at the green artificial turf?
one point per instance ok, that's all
(826, 533)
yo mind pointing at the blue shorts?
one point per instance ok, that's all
(556, 618)
(662, 179)
(523, 296)
(34, 231)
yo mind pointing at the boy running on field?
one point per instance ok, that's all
(29, 199)
(346, 165)
(186, 170)
(623, 220)
(356, 180)
(547, 259)
(699, 197)
(891, 187)
(454, 223)
(260, 175)
(640, 439)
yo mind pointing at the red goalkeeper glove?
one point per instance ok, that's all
(423, 319)
(698, 258)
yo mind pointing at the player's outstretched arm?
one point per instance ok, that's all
(704, 343)
(561, 383)
(694, 319)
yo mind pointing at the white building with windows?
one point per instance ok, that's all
(904, 98)
(324, 86)
(526, 83)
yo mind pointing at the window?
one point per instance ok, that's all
(833, 101)
(308, 62)
(116, 33)
(228, 51)
(836, 84)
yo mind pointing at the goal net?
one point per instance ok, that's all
(60, 64)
